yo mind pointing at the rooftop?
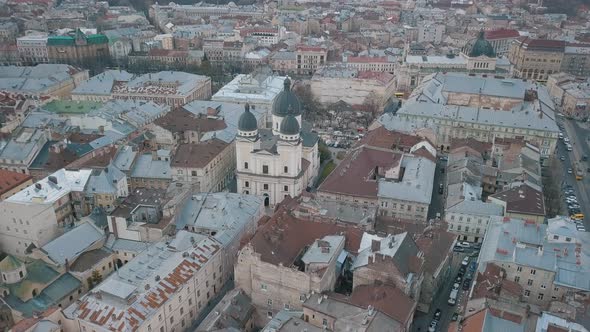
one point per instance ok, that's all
(355, 175)
(160, 83)
(52, 188)
(36, 79)
(102, 84)
(416, 184)
(557, 247)
(259, 87)
(128, 298)
(10, 180)
(23, 145)
(149, 168)
(70, 245)
(197, 155)
(522, 200)
(225, 214)
(281, 239)
(430, 100)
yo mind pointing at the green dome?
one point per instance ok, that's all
(247, 121)
(482, 47)
(286, 102)
(289, 125)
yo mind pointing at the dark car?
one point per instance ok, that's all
(472, 266)
(462, 269)
(437, 314)
(459, 279)
(459, 249)
(455, 317)
(441, 189)
(466, 284)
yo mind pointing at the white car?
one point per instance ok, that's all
(456, 286)
(465, 261)
(432, 326)
(464, 244)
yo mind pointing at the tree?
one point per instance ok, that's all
(96, 277)
(551, 188)
(312, 109)
(371, 109)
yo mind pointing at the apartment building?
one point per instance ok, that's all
(164, 288)
(536, 59)
(310, 58)
(571, 94)
(507, 108)
(41, 212)
(207, 166)
(33, 48)
(41, 81)
(431, 32)
(547, 260)
(289, 258)
(78, 48)
(501, 39)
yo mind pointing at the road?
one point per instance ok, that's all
(437, 202)
(577, 134)
(421, 321)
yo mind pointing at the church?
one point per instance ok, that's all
(279, 161)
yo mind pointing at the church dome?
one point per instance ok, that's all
(289, 125)
(247, 121)
(286, 102)
(482, 47)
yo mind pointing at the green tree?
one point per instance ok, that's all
(96, 277)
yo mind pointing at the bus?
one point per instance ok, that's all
(453, 297)
(579, 172)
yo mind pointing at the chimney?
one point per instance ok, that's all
(375, 245)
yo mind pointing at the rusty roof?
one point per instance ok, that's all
(523, 200)
(197, 155)
(283, 237)
(180, 120)
(10, 180)
(355, 175)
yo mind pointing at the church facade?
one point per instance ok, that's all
(279, 161)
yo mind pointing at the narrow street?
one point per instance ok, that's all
(437, 202)
(440, 301)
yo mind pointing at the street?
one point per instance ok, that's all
(421, 321)
(577, 134)
(437, 204)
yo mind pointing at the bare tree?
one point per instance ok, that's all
(312, 108)
(371, 109)
(551, 188)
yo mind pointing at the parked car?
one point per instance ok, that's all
(458, 249)
(456, 286)
(437, 314)
(464, 244)
(432, 326)
(455, 316)
(570, 171)
(465, 262)
(466, 284)
(562, 158)
(441, 188)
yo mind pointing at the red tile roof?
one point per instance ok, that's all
(522, 200)
(10, 180)
(542, 44)
(382, 138)
(387, 299)
(180, 120)
(197, 155)
(281, 239)
(355, 175)
(474, 323)
(501, 34)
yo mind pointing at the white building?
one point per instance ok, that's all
(164, 288)
(259, 89)
(482, 108)
(33, 48)
(274, 163)
(40, 212)
(431, 33)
